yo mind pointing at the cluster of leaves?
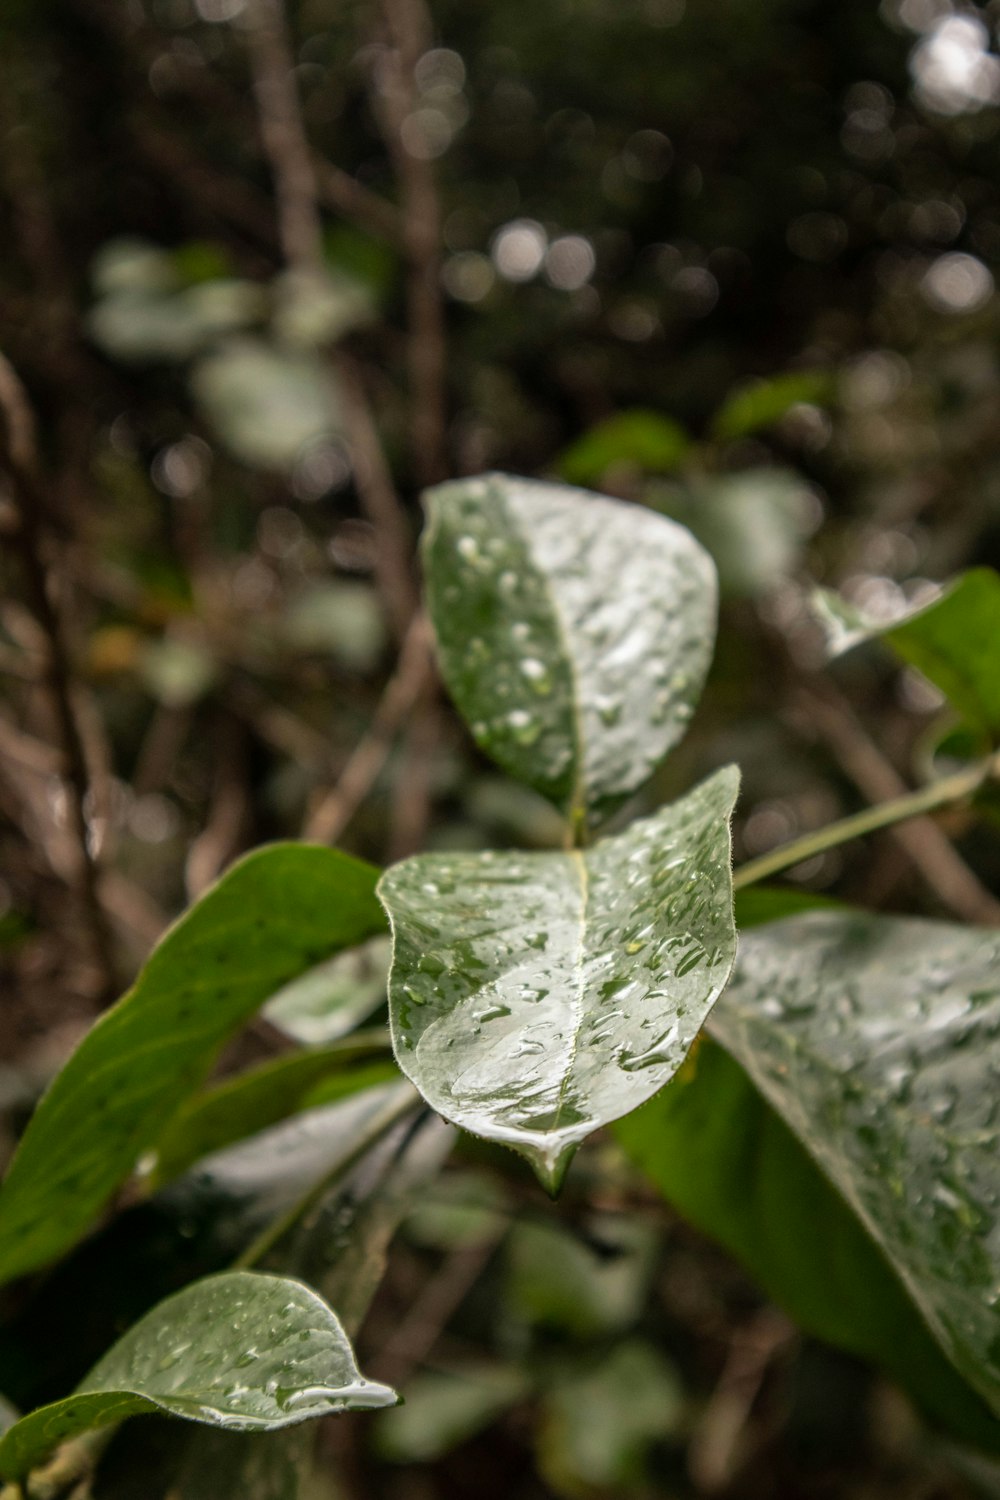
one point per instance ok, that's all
(843, 1089)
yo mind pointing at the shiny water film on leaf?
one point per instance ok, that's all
(535, 997)
(274, 914)
(877, 1040)
(574, 632)
(243, 1350)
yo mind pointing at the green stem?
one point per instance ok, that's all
(943, 793)
(403, 1101)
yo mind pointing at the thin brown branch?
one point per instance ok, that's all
(352, 200)
(283, 134)
(411, 32)
(922, 840)
(333, 812)
(18, 455)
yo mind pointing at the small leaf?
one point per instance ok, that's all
(954, 641)
(243, 1350)
(272, 915)
(574, 632)
(535, 997)
(446, 1407)
(875, 1039)
(267, 404)
(643, 440)
(761, 403)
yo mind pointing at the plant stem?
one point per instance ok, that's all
(403, 1101)
(943, 793)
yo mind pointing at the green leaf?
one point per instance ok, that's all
(875, 1041)
(267, 404)
(446, 1407)
(328, 1001)
(638, 439)
(251, 1101)
(535, 997)
(953, 641)
(244, 1350)
(574, 632)
(272, 915)
(582, 1287)
(761, 403)
(728, 1162)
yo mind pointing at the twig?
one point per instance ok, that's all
(713, 1452)
(411, 30)
(331, 815)
(283, 135)
(927, 847)
(381, 503)
(19, 456)
(350, 198)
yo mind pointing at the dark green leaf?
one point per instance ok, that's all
(535, 997)
(875, 1040)
(574, 632)
(643, 440)
(728, 1162)
(244, 1350)
(954, 641)
(274, 914)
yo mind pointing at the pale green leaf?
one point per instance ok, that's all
(574, 632)
(243, 1350)
(274, 914)
(535, 997)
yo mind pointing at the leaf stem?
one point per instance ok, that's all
(403, 1101)
(943, 793)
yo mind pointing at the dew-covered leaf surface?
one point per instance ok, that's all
(574, 632)
(275, 914)
(535, 997)
(954, 641)
(243, 1350)
(877, 1040)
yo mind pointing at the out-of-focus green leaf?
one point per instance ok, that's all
(331, 999)
(585, 1288)
(754, 524)
(599, 1424)
(313, 309)
(641, 440)
(954, 641)
(575, 687)
(764, 402)
(343, 618)
(865, 1123)
(272, 915)
(266, 404)
(251, 1101)
(463, 1208)
(243, 1350)
(177, 670)
(446, 1407)
(535, 997)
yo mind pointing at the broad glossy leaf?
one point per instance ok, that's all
(276, 913)
(244, 1350)
(727, 1161)
(877, 1041)
(535, 997)
(954, 641)
(574, 632)
(250, 1102)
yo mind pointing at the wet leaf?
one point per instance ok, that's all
(243, 1350)
(867, 1124)
(575, 687)
(274, 914)
(535, 997)
(953, 641)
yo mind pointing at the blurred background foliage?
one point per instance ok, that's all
(264, 276)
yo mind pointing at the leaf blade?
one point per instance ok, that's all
(572, 688)
(272, 915)
(534, 1030)
(188, 1358)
